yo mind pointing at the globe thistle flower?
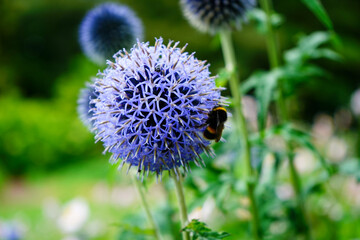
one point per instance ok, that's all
(86, 106)
(108, 28)
(152, 106)
(214, 15)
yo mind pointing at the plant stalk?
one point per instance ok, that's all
(230, 64)
(274, 59)
(144, 203)
(178, 179)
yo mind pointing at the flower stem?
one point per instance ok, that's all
(274, 59)
(178, 179)
(230, 63)
(144, 203)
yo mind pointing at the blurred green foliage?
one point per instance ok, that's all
(40, 134)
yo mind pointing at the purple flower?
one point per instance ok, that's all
(85, 105)
(152, 105)
(108, 28)
(214, 15)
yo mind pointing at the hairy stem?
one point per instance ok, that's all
(144, 203)
(274, 59)
(230, 63)
(178, 179)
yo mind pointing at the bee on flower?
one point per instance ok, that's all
(151, 107)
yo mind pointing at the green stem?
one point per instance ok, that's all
(146, 207)
(295, 180)
(230, 63)
(274, 59)
(181, 201)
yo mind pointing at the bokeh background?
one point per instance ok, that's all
(50, 167)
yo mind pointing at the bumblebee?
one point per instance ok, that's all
(215, 123)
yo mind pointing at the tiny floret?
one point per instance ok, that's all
(152, 106)
(214, 15)
(108, 28)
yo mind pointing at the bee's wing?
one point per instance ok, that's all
(219, 131)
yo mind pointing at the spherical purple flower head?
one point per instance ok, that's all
(86, 106)
(152, 106)
(108, 28)
(214, 15)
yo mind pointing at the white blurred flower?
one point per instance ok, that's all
(196, 213)
(243, 214)
(205, 212)
(304, 161)
(355, 102)
(51, 208)
(336, 149)
(73, 215)
(276, 143)
(323, 128)
(284, 191)
(267, 169)
(336, 212)
(278, 227)
(71, 238)
(123, 196)
(352, 192)
(250, 110)
(95, 228)
(101, 193)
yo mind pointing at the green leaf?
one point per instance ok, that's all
(264, 93)
(251, 82)
(201, 232)
(308, 47)
(327, 53)
(291, 134)
(223, 78)
(265, 85)
(259, 17)
(318, 9)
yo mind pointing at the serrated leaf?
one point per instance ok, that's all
(291, 134)
(265, 84)
(327, 53)
(319, 11)
(201, 232)
(265, 93)
(307, 48)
